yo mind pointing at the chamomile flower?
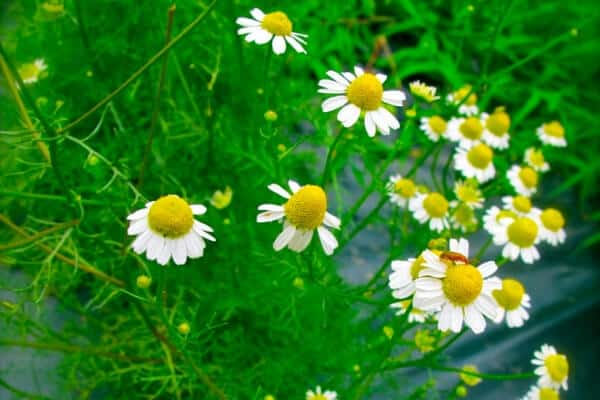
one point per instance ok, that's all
(320, 395)
(475, 162)
(495, 131)
(552, 225)
(468, 192)
(466, 131)
(274, 27)
(520, 205)
(434, 127)
(166, 229)
(414, 315)
(542, 393)
(423, 91)
(32, 72)
(401, 190)
(523, 179)
(304, 212)
(468, 106)
(359, 94)
(462, 291)
(553, 368)
(553, 134)
(519, 237)
(513, 301)
(430, 207)
(493, 216)
(535, 159)
(462, 217)
(402, 279)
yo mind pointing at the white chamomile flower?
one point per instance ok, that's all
(317, 394)
(430, 207)
(519, 237)
(414, 315)
(304, 212)
(552, 225)
(493, 216)
(275, 26)
(495, 131)
(462, 217)
(553, 134)
(535, 159)
(401, 190)
(542, 393)
(466, 131)
(513, 301)
(359, 94)
(469, 106)
(434, 127)
(402, 279)
(475, 162)
(520, 205)
(523, 179)
(31, 72)
(166, 229)
(425, 92)
(467, 192)
(552, 367)
(462, 291)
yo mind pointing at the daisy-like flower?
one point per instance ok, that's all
(401, 190)
(414, 315)
(361, 93)
(461, 290)
(434, 127)
(402, 279)
(275, 27)
(32, 72)
(552, 225)
(519, 237)
(423, 91)
(553, 134)
(553, 368)
(541, 393)
(463, 218)
(496, 125)
(523, 179)
(466, 131)
(520, 205)
(468, 192)
(166, 229)
(319, 395)
(513, 301)
(430, 207)
(475, 162)
(535, 159)
(469, 106)
(304, 212)
(493, 216)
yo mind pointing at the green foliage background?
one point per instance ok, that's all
(252, 331)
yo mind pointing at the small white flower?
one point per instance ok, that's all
(541, 393)
(166, 229)
(467, 192)
(475, 162)
(469, 106)
(402, 279)
(359, 94)
(523, 179)
(30, 73)
(319, 395)
(535, 159)
(434, 127)
(401, 190)
(553, 134)
(553, 368)
(430, 207)
(304, 212)
(275, 27)
(415, 315)
(462, 217)
(495, 131)
(520, 205)
(519, 237)
(425, 92)
(466, 132)
(513, 302)
(552, 224)
(493, 216)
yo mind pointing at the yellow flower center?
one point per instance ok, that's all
(416, 267)
(460, 94)
(480, 156)
(511, 294)
(462, 284)
(522, 204)
(437, 124)
(28, 71)
(552, 219)
(548, 394)
(307, 207)
(468, 193)
(554, 129)
(471, 128)
(405, 188)
(170, 216)
(366, 92)
(557, 366)
(529, 177)
(523, 232)
(536, 157)
(436, 205)
(318, 397)
(505, 214)
(277, 23)
(498, 123)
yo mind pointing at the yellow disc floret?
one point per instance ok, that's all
(307, 207)
(461, 93)
(462, 284)
(405, 188)
(511, 294)
(277, 23)
(437, 124)
(552, 219)
(170, 216)
(529, 177)
(468, 193)
(480, 156)
(29, 72)
(471, 128)
(505, 214)
(366, 92)
(557, 366)
(522, 204)
(498, 123)
(523, 232)
(554, 129)
(318, 396)
(548, 394)
(436, 205)
(536, 157)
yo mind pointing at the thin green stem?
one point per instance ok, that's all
(483, 249)
(330, 155)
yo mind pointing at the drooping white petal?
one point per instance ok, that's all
(198, 209)
(390, 119)
(382, 77)
(257, 14)
(294, 43)
(139, 214)
(269, 216)
(328, 241)
(273, 187)
(394, 97)
(301, 240)
(179, 251)
(279, 45)
(338, 78)
(155, 246)
(262, 36)
(474, 319)
(164, 255)
(332, 221)
(370, 124)
(248, 29)
(140, 242)
(137, 227)
(284, 237)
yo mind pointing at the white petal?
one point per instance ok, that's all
(257, 14)
(247, 22)
(382, 77)
(332, 221)
(445, 317)
(165, 254)
(269, 216)
(333, 103)
(279, 45)
(474, 319)
(358, 71)
(155, 245)
(279, 190)
(204, 227)
(349, 76)
(328, 241)
(297, 46)
(394, 97)
(301, 240)
(390, 119)
(194, 250)
(198, 209)
(333, 85)
(137, 227)
(457, 319)
(348, 115)
(294, 186)
(487, 306)
(179, 251)
(338, 78)
(262, 36)
(248, 29)
(284, 237)
(140, 242)
(139, 214)
(487, 268)
(270, 207)
(370, 124)
(380, 122)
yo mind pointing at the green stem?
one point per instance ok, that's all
(482, 250)
(330, 156)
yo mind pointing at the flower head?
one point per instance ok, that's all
(535, 159)
(275, 27)
(468, 192)
(553, 134)
(32, 72)
(523, 179)
(401, 190)
(462, 217)
(476, 162)
(467, 106)
(552, 367)
(542, 393)
(519, 237)
(493, 216)
(434, 127)
(431, 207)
(520, 205)
(495, 131)
(513, 301)
(425, 92)
(552, 222)
(414, 315)
(317, 394)
(466, 131)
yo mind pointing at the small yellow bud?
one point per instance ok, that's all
(226, 221)
(41, 101)
(271, 116)
(221, 199)
(143, 281)
(438, 244)
(470, 8)
(89, 73)
(269, 397)
(574, 32)
(470, 380)
(260, 91)
(184, 328)
(298, 283)
(461, 391)
(411, 113)
(388, 331)
(281, 147)
(192, 66)
(92, 160)
(356, 368)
